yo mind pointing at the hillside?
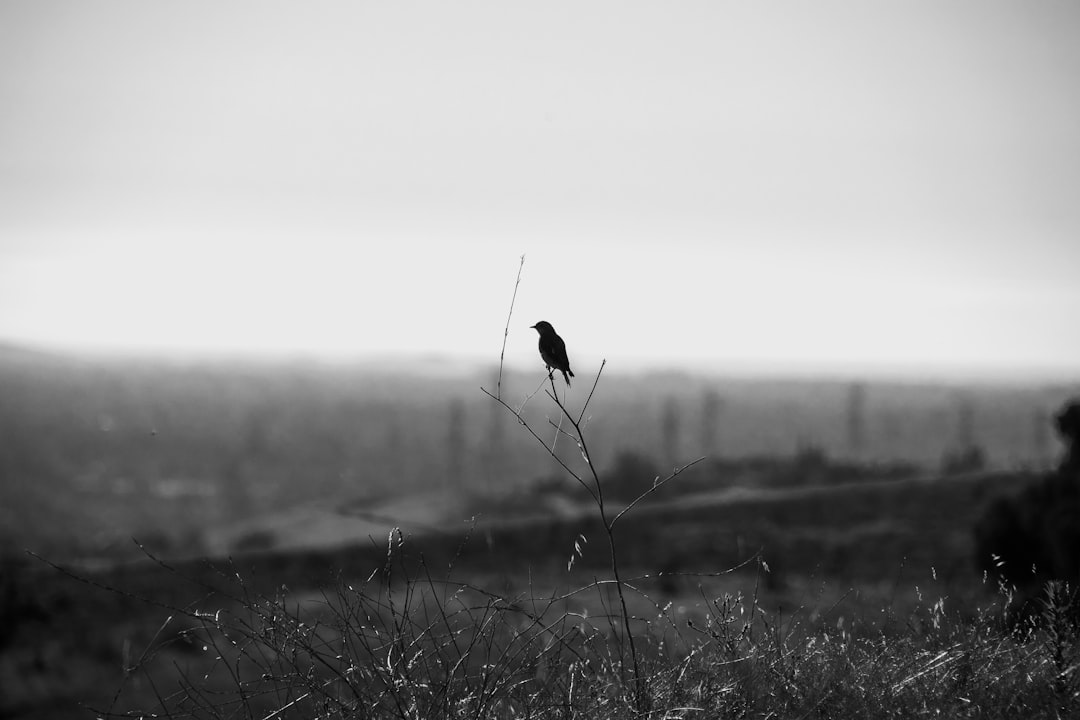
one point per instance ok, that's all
(181, 454)
(885, 537)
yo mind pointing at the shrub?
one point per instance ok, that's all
(1035, 537)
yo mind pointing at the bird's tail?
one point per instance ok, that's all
(567, 374)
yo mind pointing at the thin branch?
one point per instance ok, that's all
(560, 431)
(593, 390)
(558, 428)
(506, 330)
(141, 598)
(639, 687)
(525, 402)
(543, 443)
(656, 486)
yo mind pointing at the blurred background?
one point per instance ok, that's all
(257, 262)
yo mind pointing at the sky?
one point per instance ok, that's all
(827, 187)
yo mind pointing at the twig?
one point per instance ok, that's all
(506, 330)
(656, 486)
(596, 491)
(596, 381)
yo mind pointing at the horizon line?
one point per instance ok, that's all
(435, 363)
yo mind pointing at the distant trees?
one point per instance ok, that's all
(963, 460)
(711, 407)
(966, 455)
(1035, 537)
(856, 420)
(454, 475)
(631, 476)
(1068, 426)
(670, 432)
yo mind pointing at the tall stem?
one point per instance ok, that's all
(609, 530)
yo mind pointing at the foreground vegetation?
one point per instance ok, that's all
(408, 643)
(851, 565)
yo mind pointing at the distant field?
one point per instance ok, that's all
(299, 475)
(180, 455)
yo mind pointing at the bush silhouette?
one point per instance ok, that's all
(1035, 537)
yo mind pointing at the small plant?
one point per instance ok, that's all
(593, 485)
(1061, 629)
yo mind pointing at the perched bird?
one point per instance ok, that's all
(553, 350)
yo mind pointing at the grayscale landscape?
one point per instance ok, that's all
(563, 361)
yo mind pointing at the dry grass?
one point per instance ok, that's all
(408, 644)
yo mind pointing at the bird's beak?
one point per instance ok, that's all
(533, 327)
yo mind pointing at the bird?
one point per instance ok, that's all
(553, 350)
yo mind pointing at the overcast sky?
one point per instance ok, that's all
(822, 187)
